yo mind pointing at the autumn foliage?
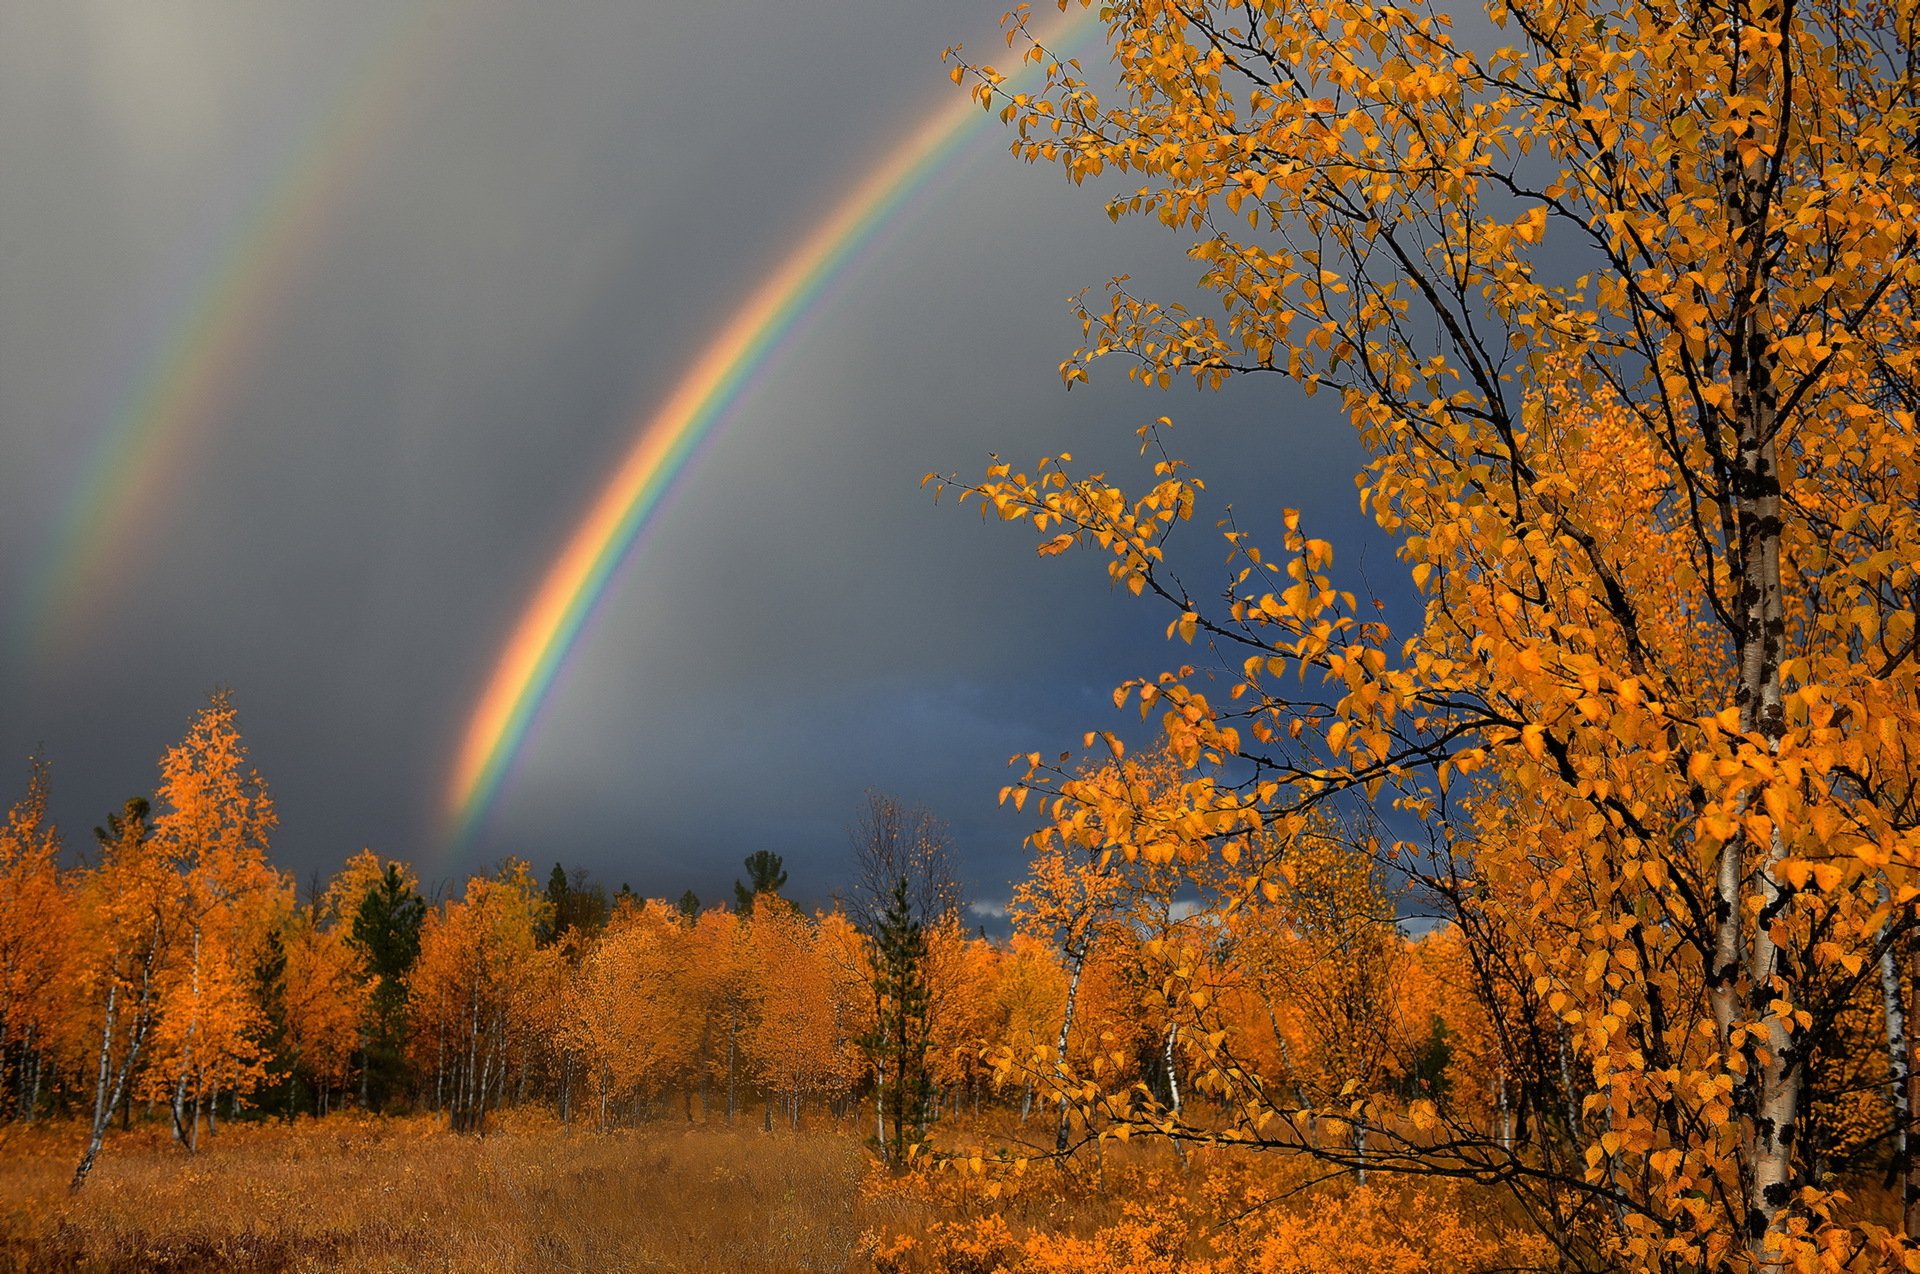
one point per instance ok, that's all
(1615, 294)
(1616, 297)
(177, 987)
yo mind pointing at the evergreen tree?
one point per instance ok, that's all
(555, 923)
(768, 877)
(901, 1036)
(689, 905)
(574, 901)
(587, 906)
(387, 928)
(270, 992)
(134, 813)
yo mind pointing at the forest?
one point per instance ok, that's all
(1570, 926)
(172, 987)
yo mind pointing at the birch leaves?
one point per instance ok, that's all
(1619, 303)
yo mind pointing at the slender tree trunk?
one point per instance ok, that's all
(1077, 961)
(733, 1084)
(32, 1103)
(110, 1087)
(1771, 1071)
(468, 1076)
(181, 1133)
(102, 1110)
(1173, 1072)
(177, 1107)
(1570, 1103)
(1911, 1177)
(1776, 1075)
(1893, 998)
(480, 1094)
(1910, 1185)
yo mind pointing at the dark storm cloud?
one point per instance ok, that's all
(566, 205)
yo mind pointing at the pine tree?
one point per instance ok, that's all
(768, 877)
(901, 1035)
(270, 993)
(557, 893)
(387, 928)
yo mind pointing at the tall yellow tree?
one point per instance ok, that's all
(797, 1044)
(845, 952)
(462, 990)
(1029, 998)
(131, 916)
(1325, 957)
(1073, 896)
(213, 822)
(636, 1014)
(36, 940)
(1620, 303)
(326, 999)
(719, 977)
(962, 973)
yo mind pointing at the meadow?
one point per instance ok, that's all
(350, 1192)
(353, 1193)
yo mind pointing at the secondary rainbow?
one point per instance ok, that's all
(668, 437)
(177, 394)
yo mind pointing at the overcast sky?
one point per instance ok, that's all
(412, 274)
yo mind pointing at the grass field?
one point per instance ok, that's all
(355, 1193)
(362, 1194)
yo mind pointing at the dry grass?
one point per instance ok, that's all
(352, 1194)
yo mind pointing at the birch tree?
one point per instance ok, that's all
(1618, 300)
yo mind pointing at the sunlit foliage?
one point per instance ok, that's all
(1617, 298)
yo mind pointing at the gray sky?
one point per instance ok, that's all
(426, 266)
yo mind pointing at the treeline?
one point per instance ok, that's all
(177, 973)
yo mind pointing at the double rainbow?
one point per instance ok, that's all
(668, 437)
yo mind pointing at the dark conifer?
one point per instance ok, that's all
(901, 1036)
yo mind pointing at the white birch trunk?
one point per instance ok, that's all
(1077, 961)
(1893, 997)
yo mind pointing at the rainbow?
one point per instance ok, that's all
(176, 396)
(668, 437)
